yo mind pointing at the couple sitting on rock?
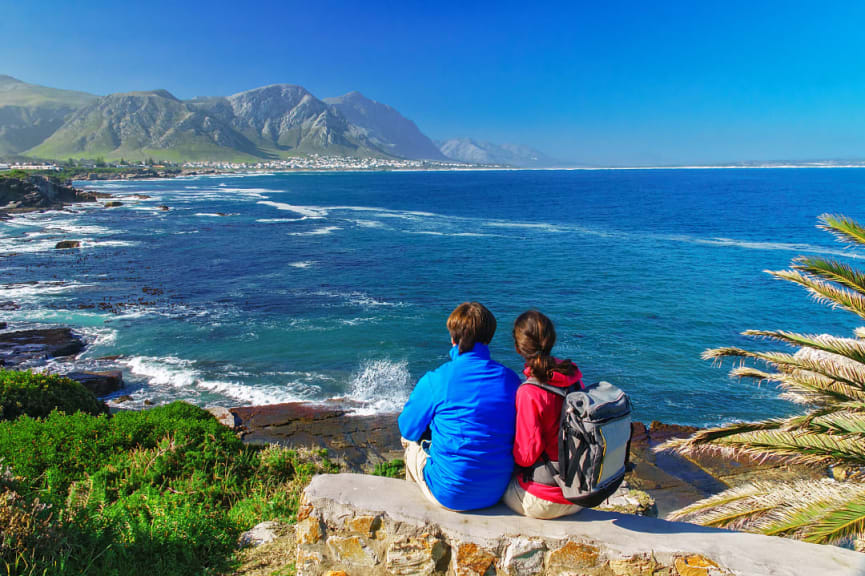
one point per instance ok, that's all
(468, 422)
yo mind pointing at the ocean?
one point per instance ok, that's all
(265, 288)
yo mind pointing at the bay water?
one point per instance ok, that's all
(265, 288)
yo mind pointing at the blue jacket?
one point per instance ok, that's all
(469, 406)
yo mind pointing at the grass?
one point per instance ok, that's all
(157, 492)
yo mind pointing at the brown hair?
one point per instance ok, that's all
(470, 323)
(534, 338)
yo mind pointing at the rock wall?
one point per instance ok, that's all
(366, 525)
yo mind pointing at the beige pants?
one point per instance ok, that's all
(517, 499)
(415, 461)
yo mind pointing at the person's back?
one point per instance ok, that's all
(468, 406)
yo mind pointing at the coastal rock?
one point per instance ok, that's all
(100, 383)
(421, 538)
(113, 204)
(360, 441)
(38, 193)
(164, 208)
(25, 346)
(66, 244)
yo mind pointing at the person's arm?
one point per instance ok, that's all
(417, 414)
(528, 442)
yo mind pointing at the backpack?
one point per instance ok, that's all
(594, 443)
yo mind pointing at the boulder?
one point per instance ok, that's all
(224, 416)
(23, 346)
(113, 204)
(164, 208)
(100, 383)
(66, 244)
(263, 533)
(368, 525)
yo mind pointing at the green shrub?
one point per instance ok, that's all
(162, 491)
(37, 395)
(392, 469)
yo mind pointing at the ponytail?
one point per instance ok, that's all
(534, 337)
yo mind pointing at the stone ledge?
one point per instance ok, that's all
(363, 525)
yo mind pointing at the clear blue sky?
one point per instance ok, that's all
(593, 82)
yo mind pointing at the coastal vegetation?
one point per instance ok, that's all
(37, 395)
(827, 374)
(161, 491)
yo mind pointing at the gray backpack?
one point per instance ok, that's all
(594, 443)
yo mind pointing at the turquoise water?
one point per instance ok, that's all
(280, 287)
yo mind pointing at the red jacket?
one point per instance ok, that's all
(538, 414)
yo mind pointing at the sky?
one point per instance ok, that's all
(594, 83)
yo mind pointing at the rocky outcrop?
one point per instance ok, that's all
(100, 383)
(366, 525)
(26, 346)
(358, 441)
(38, 193)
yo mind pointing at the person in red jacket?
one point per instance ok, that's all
(538, 414)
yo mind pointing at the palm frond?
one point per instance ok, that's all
(817, 377)
(703, 439)
(831, 270)
(825, 292)
(843, 228)
(846, 520)
(720, 501)
(859, 332)
(806, 448)
(839, 422)
(846, 347)
(823, 511)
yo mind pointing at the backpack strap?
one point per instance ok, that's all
(550, 470)
(563, 392)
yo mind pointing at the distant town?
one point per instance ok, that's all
(312, 162)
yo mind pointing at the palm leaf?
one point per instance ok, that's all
(843, 228)
(823, 511)
(831, 270)
(824, 292)
(844, 522)
(846, 347)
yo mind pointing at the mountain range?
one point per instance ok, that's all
(271, 122)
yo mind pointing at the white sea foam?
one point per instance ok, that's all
(356, 298)
(308, 211)
(189, 382)
(29, 292)
(303, 264)
(380, 386)
(281, 220)
(316, 231)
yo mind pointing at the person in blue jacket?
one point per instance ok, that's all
(458, 423)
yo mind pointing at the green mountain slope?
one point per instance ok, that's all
(137, 125)
(29, 113)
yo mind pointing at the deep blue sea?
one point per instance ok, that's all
(306, 286)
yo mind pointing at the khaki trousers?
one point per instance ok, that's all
(415, 461)
(517, 499)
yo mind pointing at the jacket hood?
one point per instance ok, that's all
(557, 379)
